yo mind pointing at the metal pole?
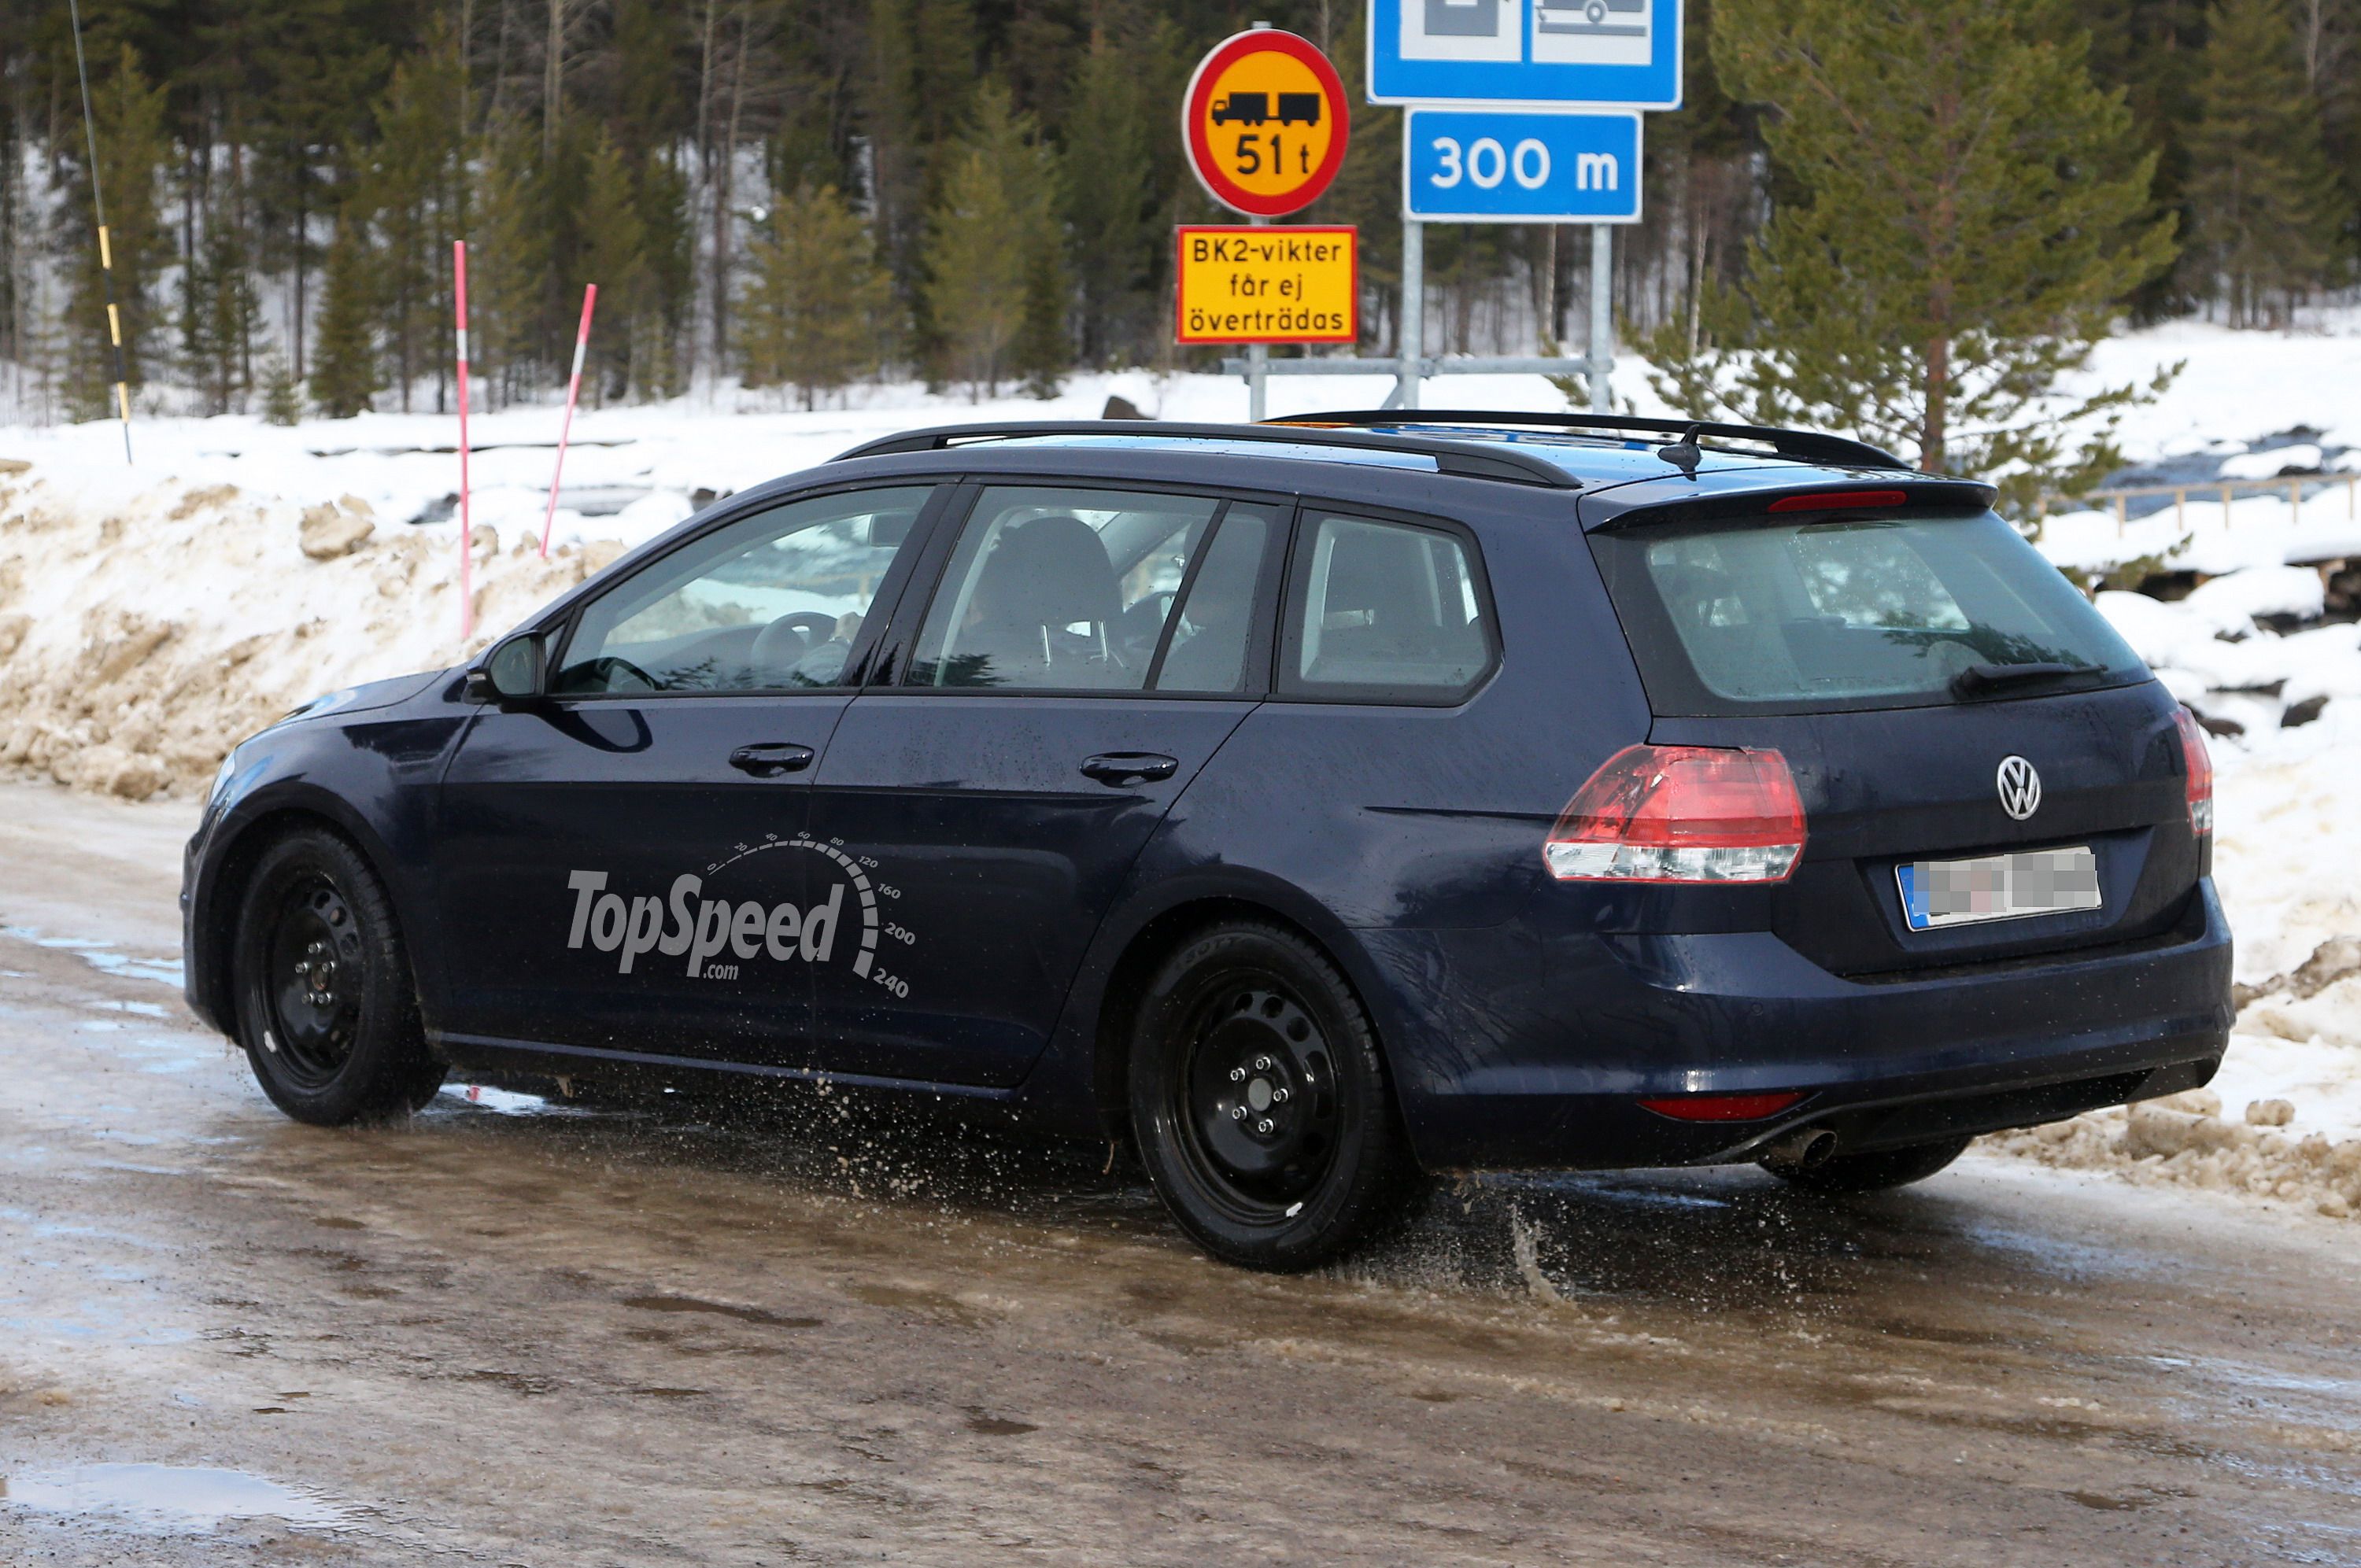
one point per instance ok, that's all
(1602, 319)
(1413, 313)
(466, 517)
(105, 250)
(1257, 359)
(566, 431)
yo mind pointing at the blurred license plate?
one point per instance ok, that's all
(1997, 887)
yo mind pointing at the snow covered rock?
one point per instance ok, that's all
(2230, 604)
(332, 531)
(2301, 458)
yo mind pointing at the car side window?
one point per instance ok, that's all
(771, 602)
(1207, 642)
(1061, 589)
(1386, 608)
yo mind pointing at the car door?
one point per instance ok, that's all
(623, 866)
(1085, 650)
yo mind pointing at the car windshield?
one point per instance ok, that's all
(1754, 616)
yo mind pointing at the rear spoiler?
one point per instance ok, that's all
(1822, 498)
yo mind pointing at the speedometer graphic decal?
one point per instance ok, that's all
(854, 869)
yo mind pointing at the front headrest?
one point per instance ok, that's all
(1051, 571)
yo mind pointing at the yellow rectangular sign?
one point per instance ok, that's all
(1269, 284)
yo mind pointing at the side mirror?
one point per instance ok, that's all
(515, 670)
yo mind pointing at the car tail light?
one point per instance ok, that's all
(1681, 814)
(2199, 767)
(1721, 1107)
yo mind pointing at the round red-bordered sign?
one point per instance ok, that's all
(1266, 123)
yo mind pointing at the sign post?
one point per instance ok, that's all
(1266, 122)
(1528, 166)
(1522, 110)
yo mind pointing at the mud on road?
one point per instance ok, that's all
(510, 1333)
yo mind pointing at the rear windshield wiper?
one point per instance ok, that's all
(1977, 680)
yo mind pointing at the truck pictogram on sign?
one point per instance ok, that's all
(1254, 109)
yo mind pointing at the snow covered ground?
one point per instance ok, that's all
(152, 613)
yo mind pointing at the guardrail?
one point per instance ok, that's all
(2225, 490)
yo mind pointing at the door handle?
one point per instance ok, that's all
(771, 759)
(1119, 768)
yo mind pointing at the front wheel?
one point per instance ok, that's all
(325, 1007)
(1875, 1171)
(1259, 1102)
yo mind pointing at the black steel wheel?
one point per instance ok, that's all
(1876, 1170)
(325, 1007)
(1260, 1101)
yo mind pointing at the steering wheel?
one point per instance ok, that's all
(779, 646)
(815, 627)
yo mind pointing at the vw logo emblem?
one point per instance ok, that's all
(2020, 788)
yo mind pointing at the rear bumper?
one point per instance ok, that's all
(1517, 1048)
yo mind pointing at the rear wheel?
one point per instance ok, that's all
(1259, 1102)
(325, 1007)
(1875, 1171)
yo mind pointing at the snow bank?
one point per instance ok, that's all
(139, 639)
(2187, 1141)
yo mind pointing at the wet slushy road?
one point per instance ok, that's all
(792, 1332)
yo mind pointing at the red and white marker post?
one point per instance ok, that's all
(467, 528)
(573, 391)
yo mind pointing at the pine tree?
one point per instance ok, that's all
(2153, 51)
(283, 402)
(132, 147)
(995, 210)
(1111, 202)
(1044, 348)
(645, 129)
(220, 314)
(1964, 216)
(416, 184)
(816, 313)
(615, 259)
(2263, 196)
(662, 188)
(508, 272)
(316, 69)
(344, 371)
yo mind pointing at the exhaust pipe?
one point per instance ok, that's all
(1803, 1150)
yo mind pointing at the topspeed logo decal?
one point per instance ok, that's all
(708, 930)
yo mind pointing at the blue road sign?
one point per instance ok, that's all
(1522, 166)
(1620, 53)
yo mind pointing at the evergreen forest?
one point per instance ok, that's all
(1917, 209)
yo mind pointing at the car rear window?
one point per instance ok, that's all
(1749, 616)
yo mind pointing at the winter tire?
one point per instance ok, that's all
(326, 1009)
(1259, 1102)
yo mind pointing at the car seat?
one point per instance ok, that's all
(1043, 577)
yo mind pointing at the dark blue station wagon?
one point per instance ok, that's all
(1309, 804)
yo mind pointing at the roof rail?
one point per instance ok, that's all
(1802, 445)
(1465, 459)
